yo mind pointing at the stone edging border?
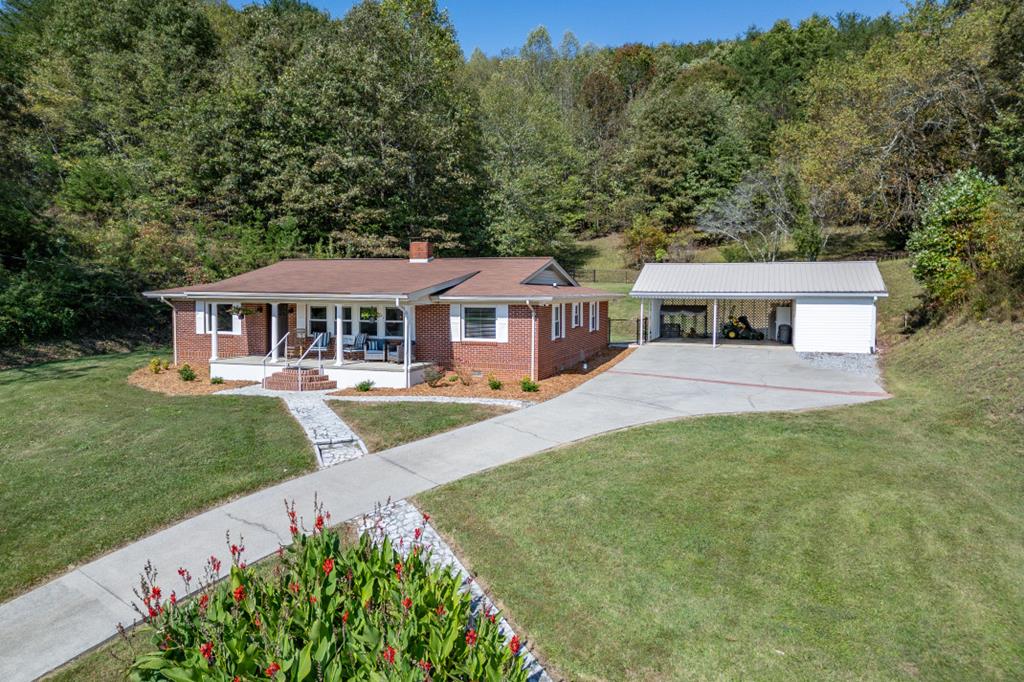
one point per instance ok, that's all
(399, 521)
(500, 402)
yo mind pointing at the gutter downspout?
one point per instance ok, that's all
(533, 341)
(174, 329)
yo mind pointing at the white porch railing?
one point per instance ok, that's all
(270, 354)
(318, 346)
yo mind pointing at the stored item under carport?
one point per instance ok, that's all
(785, 333)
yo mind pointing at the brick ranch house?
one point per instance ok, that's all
(323, 323)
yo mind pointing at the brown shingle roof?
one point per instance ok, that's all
(377, 277)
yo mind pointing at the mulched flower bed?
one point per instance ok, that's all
(478, 388)
(169, 383)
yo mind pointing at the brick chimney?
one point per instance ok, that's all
(421, 252)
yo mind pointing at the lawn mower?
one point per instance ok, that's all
(740, 328)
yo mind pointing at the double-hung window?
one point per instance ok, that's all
(346, 320)
(394, 322)
(480, 323)
(221, 315)
(225, 320)
(317, 319)
(577, 315)
(368, 320)
(594, 307)
(557, 321)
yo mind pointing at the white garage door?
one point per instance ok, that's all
(834, 325)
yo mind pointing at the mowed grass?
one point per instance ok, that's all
(388, 424)
(89, 462)
(872, 542)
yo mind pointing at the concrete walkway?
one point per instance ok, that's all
(50, 625)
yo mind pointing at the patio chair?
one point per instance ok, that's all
(376, 349)
(321, 341)
(358, 345)
(396, 352)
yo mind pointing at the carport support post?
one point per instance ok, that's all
(714, 324)
(640, 329)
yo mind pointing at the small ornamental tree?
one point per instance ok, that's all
(327, 610)
(949, 245)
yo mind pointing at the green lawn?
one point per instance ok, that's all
(881, 541)
(89, 462)
(388, 424)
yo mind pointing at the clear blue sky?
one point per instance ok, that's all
(493, 25)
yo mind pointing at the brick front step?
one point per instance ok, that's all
(288, 380)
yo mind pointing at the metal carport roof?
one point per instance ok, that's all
(759, 280)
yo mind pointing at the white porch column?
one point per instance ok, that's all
(338, 357)
(714, 324)
(406, 345)
(274, 340)
(212, 308)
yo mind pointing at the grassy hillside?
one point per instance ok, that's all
(881, 541)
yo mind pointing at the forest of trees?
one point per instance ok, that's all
(146, 143)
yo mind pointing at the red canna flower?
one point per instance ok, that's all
(398, 570)
(492, 617)
(204, 601)
(425, 665)
(215, 564)
(417, 533)
(471, 637)
(513, 645)
(439, 610)
(185, 575)
(293, 529)
(236, 551)
(272, 669)
(319, 522)
(344, 617)
(236, 678)
(239, 593)
(389, 654)
(156, 592)
(257, 622)
(328, 565)
(153, 613)
(407, 602)
(294, 587)
(426, 517)
(174, 598)
(206, 649)
(312, 599)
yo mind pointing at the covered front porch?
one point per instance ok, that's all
(346, 375)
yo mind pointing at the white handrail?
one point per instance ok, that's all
(270, 353)
(315, 344)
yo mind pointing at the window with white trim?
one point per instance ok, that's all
(223, 315)
(557, 320)
(577, 315)
(346, 320)
(368, 315)
(394, 322)
(480, 322)
(317, 319)
(594, 308)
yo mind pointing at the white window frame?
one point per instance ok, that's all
(594, 308)
(577, 315)
(210, 319)
(384, 322)
(557, 321)
(350, 321)
(500, 322)
(326, 319)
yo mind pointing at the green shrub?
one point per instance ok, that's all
(464, 375)
(216, 380)
(155, 366)
(166, 364)
(364, 386)
(329, 610)
(432, 376)
(453, 378)
(494, 382)
(187, 373)
(529, 385)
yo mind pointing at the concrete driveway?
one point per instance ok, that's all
(80, 609)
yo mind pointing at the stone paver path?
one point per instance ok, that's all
(333, 440)
(399, 522)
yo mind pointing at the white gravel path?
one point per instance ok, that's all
(399, 521)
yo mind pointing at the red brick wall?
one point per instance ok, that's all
(509, 361)
(579, 343)
(192, 347)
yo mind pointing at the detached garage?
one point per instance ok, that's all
(821, 307)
